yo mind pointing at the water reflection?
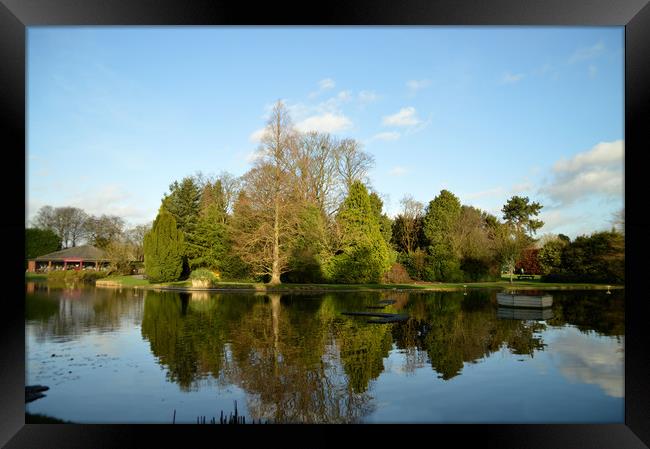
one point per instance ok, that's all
(298, 359)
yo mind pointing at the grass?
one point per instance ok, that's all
(435, 286)
(126, 281)
(34, 276)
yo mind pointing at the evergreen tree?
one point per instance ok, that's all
(39, 242)
(440, 221)
(183, 203)
(385, 223)
(209, 240)
(163, 249)
(363, 256)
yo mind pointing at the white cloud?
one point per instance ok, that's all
(591, 361)
(327, 83)
(405, 117)
(256, 136)
(602, 154)
(415, 85)
(390, 135)
(398, 171)
(367, 96)
(253, 156)
(110, 200)
(327, 122)
(586, 53)
(509, 78)
(596, 172)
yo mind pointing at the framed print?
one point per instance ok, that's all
(421, 219)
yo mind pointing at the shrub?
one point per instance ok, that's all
(396, 275)
(88, 276)
(202, 277)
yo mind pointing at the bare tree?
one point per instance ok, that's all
(135, 238)
(411, 215)
(317, 169)
(67, 222)
(101, 231)
(265, 218)
(353, 162)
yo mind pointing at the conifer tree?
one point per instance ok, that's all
(363, 256)
(439, 222)
(163, 249)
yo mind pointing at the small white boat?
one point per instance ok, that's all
(514, 300)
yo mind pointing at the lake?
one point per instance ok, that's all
(139, 356)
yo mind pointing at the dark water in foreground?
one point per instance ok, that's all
(129, 356)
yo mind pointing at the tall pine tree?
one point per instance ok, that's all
(163, 249)
(363, 256)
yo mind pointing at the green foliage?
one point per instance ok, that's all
(599, 257)
(163, 249)
(202, 277)
(88, 276)
(550, 256)
(363, 256)
(310, 248)
(519, 212)
(385, 223)
(183, 203)
(203, 274)
(439, 222)
(39, 242)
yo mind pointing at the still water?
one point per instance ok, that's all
(132, 356)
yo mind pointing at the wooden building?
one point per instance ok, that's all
(85, 257)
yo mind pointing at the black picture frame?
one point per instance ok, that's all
(16, 15)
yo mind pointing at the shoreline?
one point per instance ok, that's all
(316, 288)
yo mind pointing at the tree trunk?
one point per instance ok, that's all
(275, 270)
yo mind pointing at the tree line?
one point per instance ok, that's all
(56, 228)
(306, 212)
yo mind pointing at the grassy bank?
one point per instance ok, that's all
(130, 281)
(35, 276)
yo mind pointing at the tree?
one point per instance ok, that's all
(135, 238)
(310, 250)
(510, 242)
(518, 229)
(472, 242)
(550, 255)
(67, 222)
(407, 226)
(163, 249)
(440, 221)
(104, 230)
(353, 163)
(518, 211)
(39, 242)
(266, 212)
(183, 202)
(385, 223)
(599, 257)
(363, 256)
(317, 170)
(209, 238)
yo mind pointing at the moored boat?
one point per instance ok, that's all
(516, 300)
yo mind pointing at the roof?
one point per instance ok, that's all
(85, 252)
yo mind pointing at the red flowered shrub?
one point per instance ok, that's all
(529, 262)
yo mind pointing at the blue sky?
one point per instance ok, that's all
(115, 114)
